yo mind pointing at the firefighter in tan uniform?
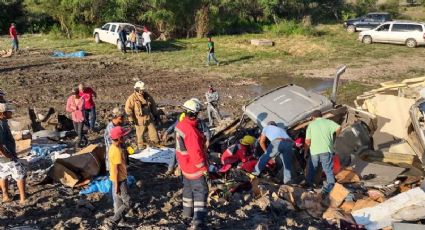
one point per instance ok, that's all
(142, 113)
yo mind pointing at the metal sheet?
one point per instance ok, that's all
(384, 174)
(286, 106)
(405, 226)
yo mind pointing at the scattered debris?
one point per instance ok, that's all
(404, 205)
(404, 226)
(155, 155)
(338, 195)
(347, 175)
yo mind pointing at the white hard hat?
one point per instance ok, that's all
(197, 101)
(192, 106)
(118, 112)
(6, 107)
(139, 85)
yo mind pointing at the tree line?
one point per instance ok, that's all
(176, 18)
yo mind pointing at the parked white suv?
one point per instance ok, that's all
(398, 32)
(109, 33)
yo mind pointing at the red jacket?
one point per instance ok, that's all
(13, 33)
(189, 149)
(238, 153)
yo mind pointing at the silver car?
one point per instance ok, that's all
(397, 32)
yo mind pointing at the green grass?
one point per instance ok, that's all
(328, 48)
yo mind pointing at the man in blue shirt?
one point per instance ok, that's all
(280, 147)
(117, 118)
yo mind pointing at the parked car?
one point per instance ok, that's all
(109, 33)
(367, 22)
(398, 32)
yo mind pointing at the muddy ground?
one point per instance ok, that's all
(32, 79)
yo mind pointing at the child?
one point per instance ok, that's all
(133, 41)
(211, 52)
(118, 176)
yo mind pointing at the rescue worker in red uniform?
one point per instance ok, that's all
(240, 154)
(192, 159)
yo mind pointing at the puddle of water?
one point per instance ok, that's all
(272, 81)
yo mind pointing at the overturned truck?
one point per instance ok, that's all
(290, 106)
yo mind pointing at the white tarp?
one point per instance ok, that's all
(155, 155)
(382, 215)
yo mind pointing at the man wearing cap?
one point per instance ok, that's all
(9, 163)
(280, 148)
(14, 36)
(142, 112)
(240, 153)
(192, 159)
(212, 108)
(118, 176)
(319, 139)
(117, 119)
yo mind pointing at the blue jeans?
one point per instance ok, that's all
(283, 150)
(148, 47)
(172, 164)
(90, 117)
(122, 203)
(15, 44)
(211, 56)
(327, 165)
(123, 46)
(134, 46)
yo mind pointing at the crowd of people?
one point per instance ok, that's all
(126, 38)
(192, 138)
(133, 39)
(192, 141)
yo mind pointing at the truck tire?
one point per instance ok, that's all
(96, 38)
(411, 43)
(351, 29)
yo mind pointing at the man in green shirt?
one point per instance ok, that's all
(211, 52)
(320, 138)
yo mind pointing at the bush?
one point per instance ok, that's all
(82, 31)
(392, 7)
(290, 28)
(348, 14)
(56, 32)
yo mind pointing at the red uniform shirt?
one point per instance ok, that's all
(238, 153)
(13, 33)
(190, 149)
(88, 94)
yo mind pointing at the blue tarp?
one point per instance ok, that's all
(60, 54)
(103, 185)
(45, 150)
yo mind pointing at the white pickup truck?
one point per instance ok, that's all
(109, 33)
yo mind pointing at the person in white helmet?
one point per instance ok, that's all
(192, 160)
(202, 127)
(142, 112)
